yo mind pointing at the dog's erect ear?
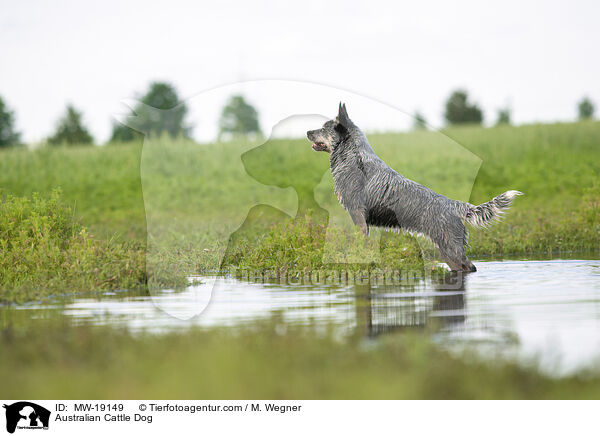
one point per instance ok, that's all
(343, 117)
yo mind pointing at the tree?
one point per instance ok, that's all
(419, 122)
(121, 133)
(238, 118)
(8, 135)
(160, 110)
(503, 116)
(70, 129)
(585, 109)
(460, 111)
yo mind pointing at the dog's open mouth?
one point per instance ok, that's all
(319, 146)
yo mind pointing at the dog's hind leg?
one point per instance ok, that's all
(455, 257)
(466, 264)
(450, 259)
(358, 218)
(452, 249)
(460, 261)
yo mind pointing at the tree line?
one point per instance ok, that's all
(459, 109)
(161, 111)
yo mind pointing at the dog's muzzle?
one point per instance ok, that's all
(316, 145)
(319, 146)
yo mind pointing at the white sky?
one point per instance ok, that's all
(539, 58)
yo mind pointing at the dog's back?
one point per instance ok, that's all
(390, 199)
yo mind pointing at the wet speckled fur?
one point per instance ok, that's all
(376, 195)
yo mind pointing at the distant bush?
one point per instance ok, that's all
(121, 133)
(585, 109)
(238, 118)
(8, 135)
(44, 250)
(160, 110)
(419, 122)
(460, 111)
(70, 129)
(503, 116)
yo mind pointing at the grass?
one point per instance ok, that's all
(558, 231)
(303, 245)
(101, 185)
(45, 250)
(205, 208)
(558, 167)
(261, 361)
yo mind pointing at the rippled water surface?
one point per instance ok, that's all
(548, 309)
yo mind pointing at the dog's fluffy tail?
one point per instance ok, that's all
(486, 213)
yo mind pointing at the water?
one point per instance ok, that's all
(544, 309)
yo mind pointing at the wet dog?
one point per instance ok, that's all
(376, 195)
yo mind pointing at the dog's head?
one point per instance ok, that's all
(333, 132)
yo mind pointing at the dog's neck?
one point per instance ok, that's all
(350, 151)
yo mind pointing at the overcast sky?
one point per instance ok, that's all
(538, 58)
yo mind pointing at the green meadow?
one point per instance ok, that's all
(270, 206)
(201, 208)
(125, 216)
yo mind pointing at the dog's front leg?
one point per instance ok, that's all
(358, 218)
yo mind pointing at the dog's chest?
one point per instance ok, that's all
(348, 181)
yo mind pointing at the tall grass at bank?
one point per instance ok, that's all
(44, 250)
(303, 245)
